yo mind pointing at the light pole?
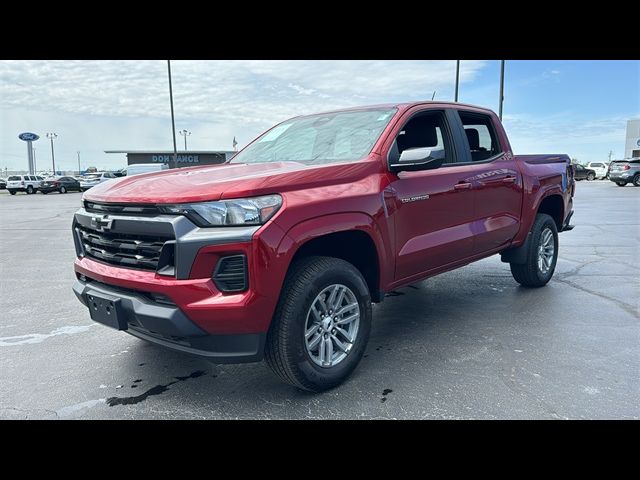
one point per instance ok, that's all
(35, 168)
(79, 171)
(51, 136)
(173, 120)
(185, 134)
(501, 86)
(457, 78)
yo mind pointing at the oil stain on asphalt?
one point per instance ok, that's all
(385, 392)
(157, 390)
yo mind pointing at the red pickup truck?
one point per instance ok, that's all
(280, 252)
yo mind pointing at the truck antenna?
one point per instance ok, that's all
(434, 95)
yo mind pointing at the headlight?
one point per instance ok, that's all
(241, 211)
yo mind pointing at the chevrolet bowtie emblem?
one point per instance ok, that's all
(101, 224)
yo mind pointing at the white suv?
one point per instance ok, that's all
(23, 183)
(600, 168)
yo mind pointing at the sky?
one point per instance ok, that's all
(574, 107)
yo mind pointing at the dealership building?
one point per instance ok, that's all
(632, 144)
(191, 158)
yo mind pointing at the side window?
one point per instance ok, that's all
(481, 136)
(423, 130)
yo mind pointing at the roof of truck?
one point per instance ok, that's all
(400, 106)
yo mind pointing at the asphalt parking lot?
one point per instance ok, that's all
(467, 344)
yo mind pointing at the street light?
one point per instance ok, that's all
(457, 78)
(173, 118)
(501, 87)
(185, 134)
(51, 136)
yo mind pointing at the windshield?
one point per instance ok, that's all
(93, 176)
(318, 139)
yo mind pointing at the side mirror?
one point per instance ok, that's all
(423, 158)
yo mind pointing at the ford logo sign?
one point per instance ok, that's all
(28, 136)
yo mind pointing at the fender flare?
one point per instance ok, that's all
(518, 254)
(309, 229)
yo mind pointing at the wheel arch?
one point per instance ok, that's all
(353, 237)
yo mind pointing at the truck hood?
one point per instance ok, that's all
(210, 183)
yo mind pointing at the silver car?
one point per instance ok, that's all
(625, 171)
(92, 179)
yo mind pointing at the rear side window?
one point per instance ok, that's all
(597, 165)
(481, 136)
(13, 179)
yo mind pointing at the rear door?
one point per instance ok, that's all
(432, 209)
(495, 180)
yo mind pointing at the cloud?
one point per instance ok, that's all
(585, 138)
(216, 100)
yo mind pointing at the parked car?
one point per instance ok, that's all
(3, 183)
(279, 252)
(582, 172)
(23, 183)
(60, 184)
(625, 171)
(600, 169)
(92, 179)
(139, 168)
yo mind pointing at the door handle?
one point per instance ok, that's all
(462, 186)
(509, 179)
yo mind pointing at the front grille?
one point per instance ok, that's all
(129, 209)
(127, 250)
(231, 274)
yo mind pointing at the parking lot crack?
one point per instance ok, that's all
(632, 310)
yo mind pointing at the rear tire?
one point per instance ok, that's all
(621, 184)
(63, 190)
(289, 352)
(12, 192)
(636, 180)
(540, 260)
(29, 190)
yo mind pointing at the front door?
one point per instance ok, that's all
(433, 208)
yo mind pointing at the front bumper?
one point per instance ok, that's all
(188, 287)
(166, 325)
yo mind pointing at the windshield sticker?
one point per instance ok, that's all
(275, 133)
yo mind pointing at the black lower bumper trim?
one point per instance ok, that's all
(215, 348)
(168, 326)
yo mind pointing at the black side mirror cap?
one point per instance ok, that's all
(415, 159)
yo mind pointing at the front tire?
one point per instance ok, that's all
(321, 326)
(636, 180)
(63, 190)
(621, 184)
(541, 255)
(12, 192)
(29, 190)
(591, 177)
